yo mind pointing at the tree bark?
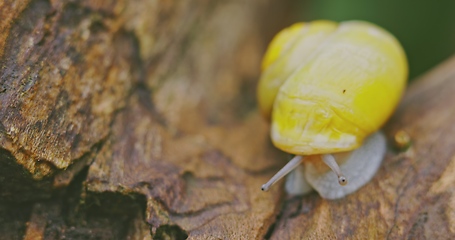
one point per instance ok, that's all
(149, 103)
(116, 112)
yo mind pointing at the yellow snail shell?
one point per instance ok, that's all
(326, 87)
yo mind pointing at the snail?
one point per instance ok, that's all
(327, 89)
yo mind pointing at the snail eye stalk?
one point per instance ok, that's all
(329, 159)
(291, 165)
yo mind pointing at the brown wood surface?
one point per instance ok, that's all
(138, 120)
(157, 97)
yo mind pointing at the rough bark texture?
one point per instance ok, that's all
(68, 68)
(157, 97)
(61, 84)
(137, 120)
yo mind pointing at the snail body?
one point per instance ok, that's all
(326, 87)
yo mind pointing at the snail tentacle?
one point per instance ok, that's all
(329, 159)
(291, 165)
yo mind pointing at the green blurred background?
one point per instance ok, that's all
(426, 29)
